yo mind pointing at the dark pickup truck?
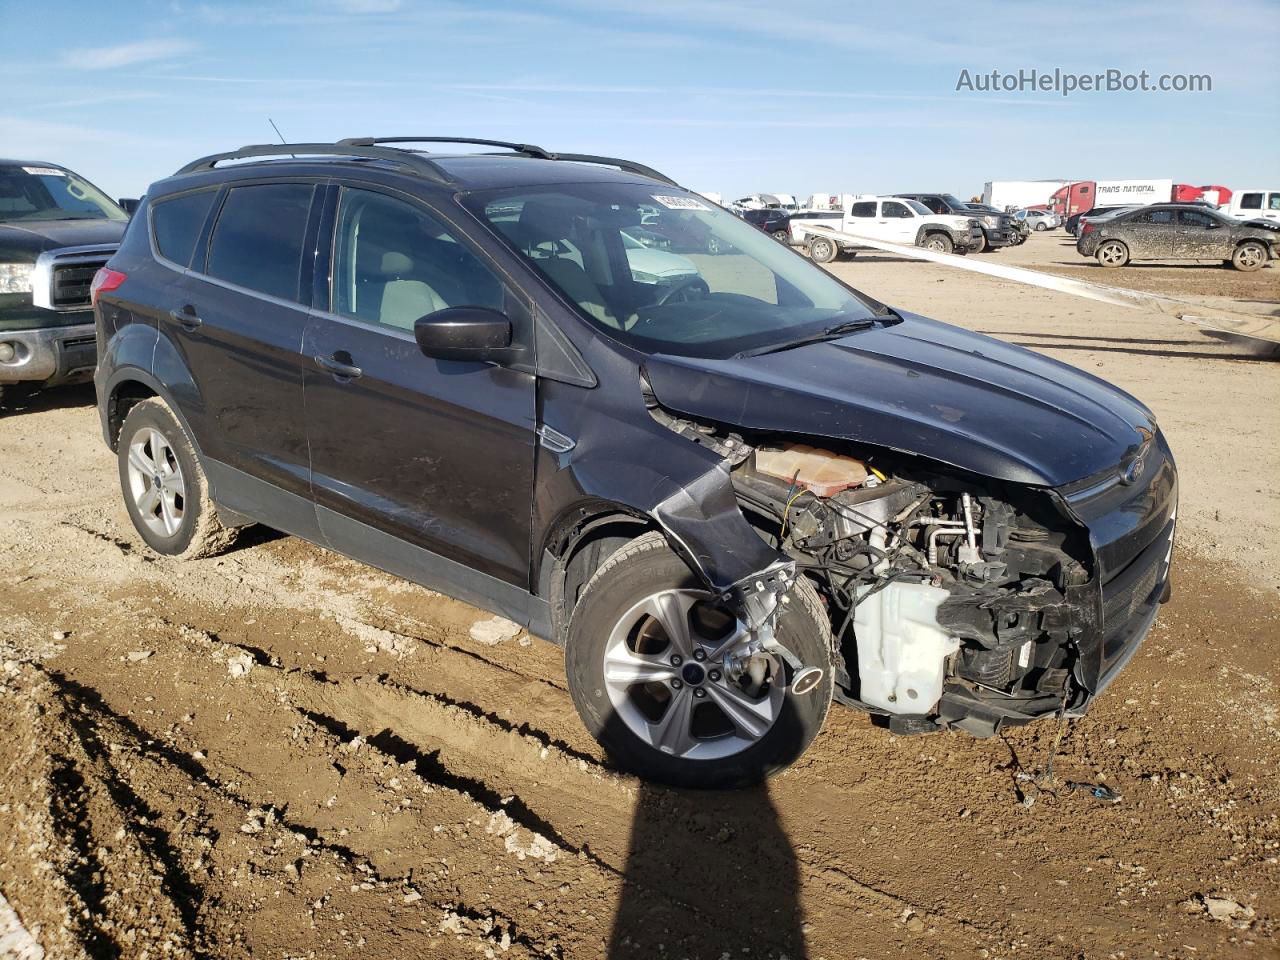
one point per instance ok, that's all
(998, 229)
(56, 230)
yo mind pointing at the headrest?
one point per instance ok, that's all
(542, 220)
(395, 263)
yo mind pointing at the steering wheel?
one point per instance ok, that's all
(682, 291)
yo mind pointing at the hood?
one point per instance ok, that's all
(925, 388)
(24, 240)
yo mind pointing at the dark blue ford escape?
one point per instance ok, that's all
(564, 389)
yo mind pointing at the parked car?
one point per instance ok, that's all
(997, 228)
(772, 221)
(650, 262)
(1168, 231)
(886, 218)
(1020, 228)
(1255, 204)
(1073, 221)
(732, 499)
(1038, 220)
(56, 230)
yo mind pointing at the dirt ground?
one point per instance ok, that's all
(279, 753)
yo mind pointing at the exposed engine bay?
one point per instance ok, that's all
(946, 592)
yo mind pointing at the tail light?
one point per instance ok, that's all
(104, 281)
(1086, 227)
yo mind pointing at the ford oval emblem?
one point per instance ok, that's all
(1132, 471)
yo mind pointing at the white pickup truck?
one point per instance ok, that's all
(892, 219)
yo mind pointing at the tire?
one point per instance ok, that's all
(782, 236)
(1040, 227)
(164, 487)
(939, 243)
(1249, 256)
(1112, 253)
(626, 713)
(823, 250)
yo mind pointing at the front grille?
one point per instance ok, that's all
(1129, 596)
(71, 282)
(63, 276)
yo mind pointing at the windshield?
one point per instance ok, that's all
(50, 193)
(919, 208)
(664, 271)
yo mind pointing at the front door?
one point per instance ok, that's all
(423, 467)
(1201, 236)
(896, 222)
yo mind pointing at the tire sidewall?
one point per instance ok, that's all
(1249, 244)
(155, 415)
(611, 595)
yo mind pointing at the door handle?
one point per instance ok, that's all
(185, 318)
(345, 371)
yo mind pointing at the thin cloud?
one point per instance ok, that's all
(125, 54)
(366, 6)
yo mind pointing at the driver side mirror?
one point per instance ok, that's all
(128, 204)
(464, 333)
(1214, 225)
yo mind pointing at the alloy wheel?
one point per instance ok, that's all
(680, 676)
(156, 484)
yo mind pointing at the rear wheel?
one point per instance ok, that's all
(1249, 256)
(823, 250)
(1041, 226)
(661, 675)
(1113, 253)
(939, 243)
(782, 236)
(164, 486)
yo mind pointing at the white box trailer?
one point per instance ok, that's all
(1123, 192)
(1003, 194)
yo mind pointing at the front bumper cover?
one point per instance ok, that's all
(51, 355)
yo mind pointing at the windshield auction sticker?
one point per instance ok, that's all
(44, 171)
(681, 203)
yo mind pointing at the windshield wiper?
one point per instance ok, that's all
(830, 333)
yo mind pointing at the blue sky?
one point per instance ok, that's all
(730, 96)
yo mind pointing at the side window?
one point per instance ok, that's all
(934, 204)
(864, 209)
(176, 224)
(1251, 201)
(1273, 201)
(1154, 216)
(394, 263)
(1194, 218)
(892, 208)
(257, 242)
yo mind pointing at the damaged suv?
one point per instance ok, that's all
(734, 495)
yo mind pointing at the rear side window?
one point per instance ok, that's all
(1251, 201)
(863, 210)
(176, 224)
(257, 242)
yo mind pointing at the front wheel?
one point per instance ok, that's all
(1249, 256)
(661, 674)
(939, 243)
(164, 486)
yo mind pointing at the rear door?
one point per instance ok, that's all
(420, 466)
(863, 217)
(1148, 234)
(236, 319)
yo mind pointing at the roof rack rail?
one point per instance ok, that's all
(527, 149)
(531, 149)
(406, 158)
(627, 166)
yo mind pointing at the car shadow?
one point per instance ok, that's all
(708, 874)
(19, 398)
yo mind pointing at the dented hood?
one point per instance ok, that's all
(922, 387)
